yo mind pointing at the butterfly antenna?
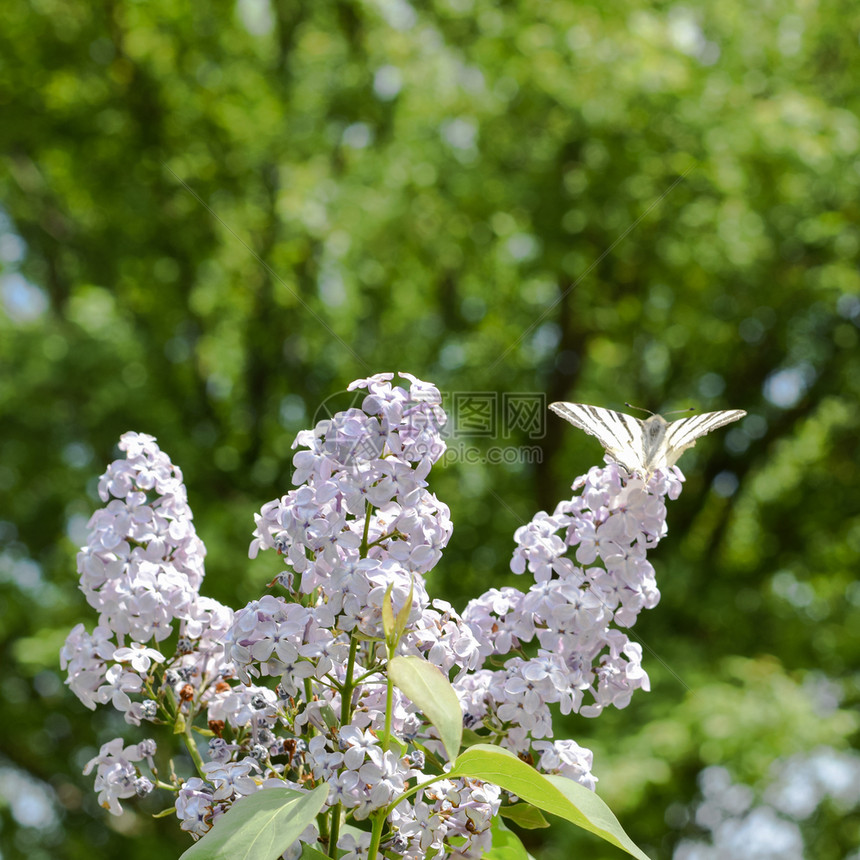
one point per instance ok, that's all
(676, 411)
(640, 408)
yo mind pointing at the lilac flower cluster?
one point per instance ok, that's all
(143, 564)
(116, 775)
(291, 689)
(582, 664)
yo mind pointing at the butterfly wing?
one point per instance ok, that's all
(621, 435)
(682, 434)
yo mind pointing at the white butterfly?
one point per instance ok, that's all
(643, 446)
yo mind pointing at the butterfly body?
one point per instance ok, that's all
(643, 446)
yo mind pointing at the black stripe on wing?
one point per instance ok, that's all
(683, 433)
(621, 435)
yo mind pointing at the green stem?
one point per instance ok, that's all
(373, 670)
(364, 545)
(384, 538)
(322, 824)
(376, 835)
(345, 717)
(348, 683)
(336, 817)
(414, 790)
(389, 707)
(191, 744)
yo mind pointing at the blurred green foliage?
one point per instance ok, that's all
(213, 216)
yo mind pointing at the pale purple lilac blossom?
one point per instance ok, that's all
(583, 664)
(116, 774)
(142, 569)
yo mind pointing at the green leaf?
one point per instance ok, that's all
(394, 624)
(207, 733)
(330, 718)
(261, 826)
(524, 815)
(556, 794)
(506, 845)
(399, 746)
(403, 613)
(388, 613)
(471, 737)
(310, 853)
(427, 687)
